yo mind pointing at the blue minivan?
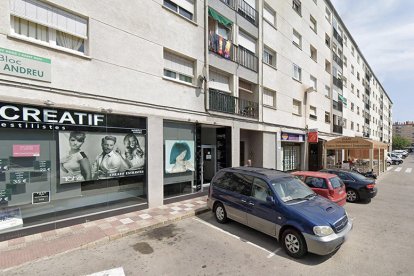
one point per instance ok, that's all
(280, 205)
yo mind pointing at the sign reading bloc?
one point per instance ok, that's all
(24, 65)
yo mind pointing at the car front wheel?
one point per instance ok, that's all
(294, 244)
(351, 196)
(220, 213)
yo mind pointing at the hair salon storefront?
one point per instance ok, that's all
(57, 164)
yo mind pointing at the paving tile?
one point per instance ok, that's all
(126, 220)
(145, 216)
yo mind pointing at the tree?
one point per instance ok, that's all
(399, 142)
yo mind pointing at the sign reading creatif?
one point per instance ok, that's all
(19, 64)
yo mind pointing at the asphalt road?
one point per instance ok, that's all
(381, 243)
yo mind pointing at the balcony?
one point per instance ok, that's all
(338, 37)
(246, 58)
(244, 9)
(337, 105)
(223, 102)
(366, 135)
(226, 49)
(338, 60)
(338, 83)
(337, 129)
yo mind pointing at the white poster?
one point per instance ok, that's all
(179, 156)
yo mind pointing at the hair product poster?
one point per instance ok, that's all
(179, 156)
(85, 156)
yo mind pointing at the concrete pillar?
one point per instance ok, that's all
(269, 146)
(155, 185)
(235, 146)
(279, 153)
(324, 156)
(371, 157)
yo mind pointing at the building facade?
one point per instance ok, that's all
(405, 130)
(108, 109)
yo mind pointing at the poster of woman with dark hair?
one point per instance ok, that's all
(75, 166)
(179, 156)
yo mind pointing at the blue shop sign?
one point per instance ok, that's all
(292, 137)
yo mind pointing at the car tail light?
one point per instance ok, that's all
(370, 186)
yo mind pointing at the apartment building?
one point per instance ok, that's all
(405, 130)
(110, 109)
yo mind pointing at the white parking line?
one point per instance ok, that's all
(389, 168)
(237, 237)
(398, 169)
(408, 170)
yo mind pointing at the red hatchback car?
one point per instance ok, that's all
(324, 184)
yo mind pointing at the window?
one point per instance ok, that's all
(345, 60)
(245, 86)
(328, 14)
(352, 88)
(352, 106)
(327, 91)
(352, 50)
(327, 117)
(269, 98)
(358, 93)
(313, 53)
(313, 82)
(297, 107)
(358, 59)
(297, 39)
(219, 81)
(260, 189)
(316, 182)
(358, 76)
(297, 72)
(182, 7)
(344, 81)
(327, 40)
(178, 68)
(312, 113)
(313, 24)
(352, 70)
(45, 24)
(297, 6)
(327, 66)
(345, 40)
(269, 57)
(269, 15)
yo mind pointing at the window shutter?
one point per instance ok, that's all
(269, 97)
(269, 15)
(247, 42)
(185, 4)
(46, 15)
(178, 64)
(219, 81)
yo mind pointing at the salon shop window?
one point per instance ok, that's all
(56, 164)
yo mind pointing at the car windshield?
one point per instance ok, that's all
(335, 182)
(291, 189)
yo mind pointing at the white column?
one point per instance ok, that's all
(371, 157)
(155, 162)
(269, 147)
(279, 153)
(235, 146)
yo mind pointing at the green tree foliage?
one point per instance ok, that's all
(399, 142)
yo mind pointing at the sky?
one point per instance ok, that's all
(384, 33)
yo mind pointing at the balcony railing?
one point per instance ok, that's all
(337, 105)
(244, 9)
(247, 11)
(221, 46)
(226, 49)
(246, 58)
(338, 37)
(223, 102)
(338, 60)
(337, 129)
(338, 82)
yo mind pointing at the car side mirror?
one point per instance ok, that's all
(270, 199)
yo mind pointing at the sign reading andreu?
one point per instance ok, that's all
(24, 65)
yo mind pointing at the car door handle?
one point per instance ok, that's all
(251, 203)
(244, 201)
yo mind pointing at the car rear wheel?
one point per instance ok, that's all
(220, 213)
(351, 196)
(294, 243)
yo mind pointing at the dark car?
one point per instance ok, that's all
(358, 187)
(280, 205)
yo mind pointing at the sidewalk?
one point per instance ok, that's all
(26, 249)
